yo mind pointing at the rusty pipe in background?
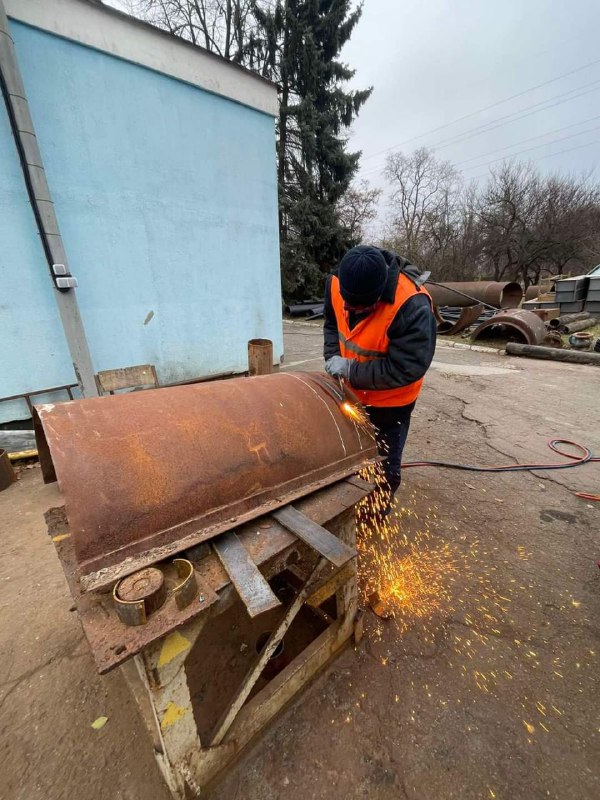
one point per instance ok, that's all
(566, 319)
(532, 292)
(525, 325)
(468, 316)
(500, 295)
(578, 325)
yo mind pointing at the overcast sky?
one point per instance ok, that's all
(433, 62)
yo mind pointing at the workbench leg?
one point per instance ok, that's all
(347, 595)
(161, 666)
(255, 670)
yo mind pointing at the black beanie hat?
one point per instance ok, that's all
(363, 275)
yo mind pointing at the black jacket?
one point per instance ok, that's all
(411, 335)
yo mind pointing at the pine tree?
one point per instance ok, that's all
(297, 44)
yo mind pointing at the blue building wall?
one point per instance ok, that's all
(166, 197)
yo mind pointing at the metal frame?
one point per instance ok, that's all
(310, 548)
(158, 680)
(67, 387)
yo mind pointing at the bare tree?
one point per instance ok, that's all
(533, 225)
(506, 210)
(221, 26)
(566, 236)
(520, 225)
(357, 208)
(424, 191)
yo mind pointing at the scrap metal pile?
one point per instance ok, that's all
(485, 306)
(491, 310)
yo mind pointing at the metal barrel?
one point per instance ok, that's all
(147, 474)
(500, 295)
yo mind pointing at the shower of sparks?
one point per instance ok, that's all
(408, 579)
(355, 413)
(453, 591)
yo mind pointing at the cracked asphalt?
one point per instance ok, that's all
(494, 696)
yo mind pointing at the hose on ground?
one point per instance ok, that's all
(586, 457)
(554, 444)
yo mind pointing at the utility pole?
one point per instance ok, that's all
(63, 282)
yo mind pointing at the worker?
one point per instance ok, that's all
(380, 338)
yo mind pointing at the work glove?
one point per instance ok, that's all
(338, 367)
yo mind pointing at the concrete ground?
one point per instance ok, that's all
(492, 694)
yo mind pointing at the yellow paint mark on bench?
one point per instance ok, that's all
(172, 714)
(174, 644)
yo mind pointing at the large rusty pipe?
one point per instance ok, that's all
(499, 295)
(147, 474)
(532, 292)
(525, 324)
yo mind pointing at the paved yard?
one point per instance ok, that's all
(494, 696)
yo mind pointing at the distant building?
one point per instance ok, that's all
(160, 158)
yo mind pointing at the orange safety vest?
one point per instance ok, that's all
(369, 340)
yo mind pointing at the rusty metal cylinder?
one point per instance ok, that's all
(532, 292)
(494, 293)
(260, 357)
(526, 325)
(553, 354)
(147, 474)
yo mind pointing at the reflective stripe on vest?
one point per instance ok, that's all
(368, 340)
(359, 350)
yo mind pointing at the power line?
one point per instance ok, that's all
(530, 139)
(487, 108)
(541, 158)
(535, 147)
(501, 121)
(542, 105)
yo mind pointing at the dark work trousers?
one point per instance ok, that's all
(391, 425)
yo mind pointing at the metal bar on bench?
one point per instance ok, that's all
(315, 536)
(251, 585)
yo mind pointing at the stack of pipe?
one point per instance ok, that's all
(572, 323)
